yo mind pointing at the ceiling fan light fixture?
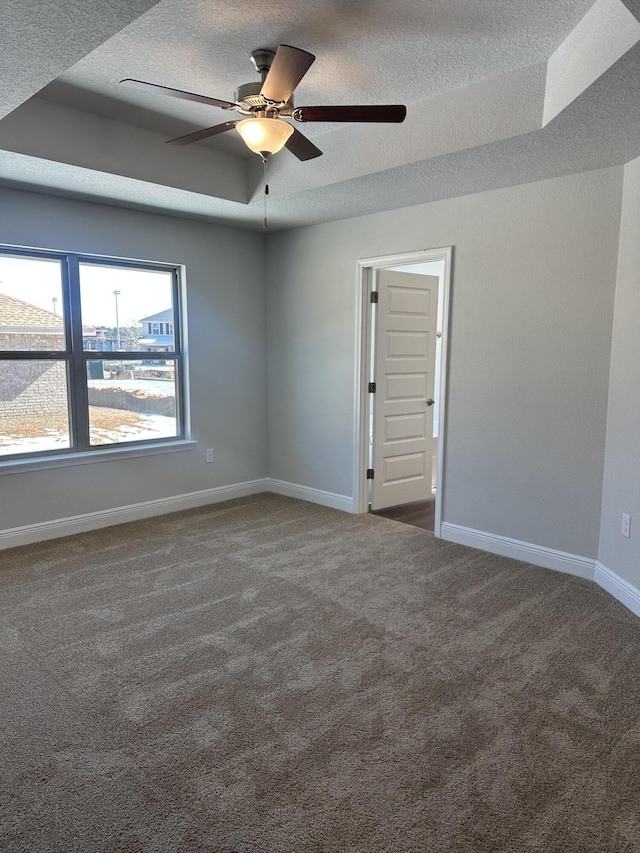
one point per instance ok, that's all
(264, 135)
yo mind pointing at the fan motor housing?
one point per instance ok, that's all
(249, 94)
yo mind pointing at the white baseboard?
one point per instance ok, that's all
(495, 544)
(537, 555)
(316, 496)
(133, 512)
(161, 506)
(527, 552)
(619, 588)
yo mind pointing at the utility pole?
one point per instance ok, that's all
(116, 293)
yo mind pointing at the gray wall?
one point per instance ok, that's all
(533, 288)
(533, 291)
(226, 324)
(621, 492)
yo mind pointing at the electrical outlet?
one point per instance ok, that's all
(209, 454)
(626, 525)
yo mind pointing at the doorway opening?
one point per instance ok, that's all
(401, 376)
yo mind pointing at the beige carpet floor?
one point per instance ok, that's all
(269, 676)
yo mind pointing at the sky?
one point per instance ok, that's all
(38, 281)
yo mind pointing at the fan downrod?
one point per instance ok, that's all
(261, 60)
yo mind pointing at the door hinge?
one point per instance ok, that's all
(374, 296)
(369, 473)
(372, 387)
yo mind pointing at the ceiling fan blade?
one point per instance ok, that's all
(289, 66)
(176, 93)
(203, 134)
(386, 113)
(303, 148)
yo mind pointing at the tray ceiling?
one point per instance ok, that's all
(474, 79)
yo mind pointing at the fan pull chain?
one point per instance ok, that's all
(265, 222)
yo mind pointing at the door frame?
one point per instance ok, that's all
(366, 269)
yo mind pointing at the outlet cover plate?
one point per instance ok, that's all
(626, 525)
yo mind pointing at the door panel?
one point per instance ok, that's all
(403, 446)
(409, 466)
(407, 386)
(403, 427)
(407, 344)
(408, 300)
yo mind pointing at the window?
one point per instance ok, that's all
(76, 373)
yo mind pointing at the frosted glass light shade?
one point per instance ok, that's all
(264, 135)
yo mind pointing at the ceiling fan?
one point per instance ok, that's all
(265, 104)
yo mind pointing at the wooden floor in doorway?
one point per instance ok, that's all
(419, 513)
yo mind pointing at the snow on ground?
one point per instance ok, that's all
(54, 441)
(148, 427)
(161, 387)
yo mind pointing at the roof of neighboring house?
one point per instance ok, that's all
(157, 340)
(160, 317)
(15, 313)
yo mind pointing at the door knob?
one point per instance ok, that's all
(430, 401)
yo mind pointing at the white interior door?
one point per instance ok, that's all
(405, 348)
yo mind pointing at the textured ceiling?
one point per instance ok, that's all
(368, 51)
(473, 76)
(41, 40)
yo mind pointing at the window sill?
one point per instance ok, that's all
(111, 454)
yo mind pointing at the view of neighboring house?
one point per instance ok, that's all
(99, 341)
(157, 332)
(39, 387)
(157, 336)
(35, 386)
(24, 326)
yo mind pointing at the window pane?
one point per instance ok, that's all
(33, 406)
(123, 308)
(31, 309)
(132, 400)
